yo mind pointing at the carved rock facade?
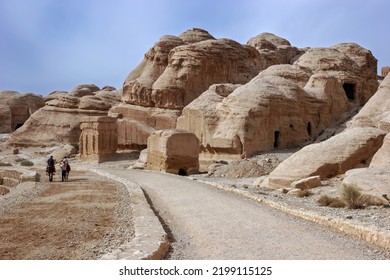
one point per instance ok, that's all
(285, 105)
(365, 142)
(16, 108)
(177, 69)
(173, 151)
(98, 140)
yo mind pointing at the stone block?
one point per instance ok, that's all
(173, 151)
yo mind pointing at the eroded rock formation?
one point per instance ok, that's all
(59, 120)
(98, 140)
(16, 108)
(285, 105)
(328, 158)
(176, 70)
(173, 151)
(359, 144)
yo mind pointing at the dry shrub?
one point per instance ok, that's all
(337, 203)
(334, 202)
(304, 193)
(324, 200)
(370, 200)
(355, 200)
(350, 194)
(26, 162)
(351, 198)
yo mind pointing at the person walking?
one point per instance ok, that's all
(64, 166)
(51, 169)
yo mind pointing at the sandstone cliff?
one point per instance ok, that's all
(285, 105)
(177, 69)
(16, 108)
(360, 144)
(59, 120)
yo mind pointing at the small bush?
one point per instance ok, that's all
(370, 200)
(351, 195)
(324, 200)
(26, 162)
(5, 164)
(333, 202)
(304, 193)
(337, 203)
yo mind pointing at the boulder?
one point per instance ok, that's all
(377, 109)
(173, 151)
(65, 151)
(372, 181)
(142, 161)
(326, 159)
(382, 156)
(307, 183)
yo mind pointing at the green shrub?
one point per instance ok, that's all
(5, 164)
(26, 162)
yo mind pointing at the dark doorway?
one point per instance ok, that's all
(349, 91)
(182, 172)
(18, 125)
(276, 139)
(309, 128)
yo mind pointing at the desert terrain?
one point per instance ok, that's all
(302, 131)
(90, 215)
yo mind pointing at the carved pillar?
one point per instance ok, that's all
(99, 138)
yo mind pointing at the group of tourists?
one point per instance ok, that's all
(64, 166)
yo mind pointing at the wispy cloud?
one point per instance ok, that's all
(51, 45)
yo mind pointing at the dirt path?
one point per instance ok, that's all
(207, 223)
(80, 219)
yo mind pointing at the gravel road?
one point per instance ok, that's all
(208, 223)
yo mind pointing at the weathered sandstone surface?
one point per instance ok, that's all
(377, 110)
(16, 108)
(329, 158)
(59, 120)
(98, 140)
(285, 105)
(360, 144)
(177, 69)
(173, 151)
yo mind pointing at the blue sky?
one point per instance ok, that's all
(48, 45)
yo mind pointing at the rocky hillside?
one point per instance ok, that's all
(238, 99)
(16, 108)
(59, 120)
(361, 151)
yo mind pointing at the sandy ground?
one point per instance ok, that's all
(79, 219)
(90, 216)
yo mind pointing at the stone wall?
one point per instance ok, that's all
(173, 151)
(98, 140)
